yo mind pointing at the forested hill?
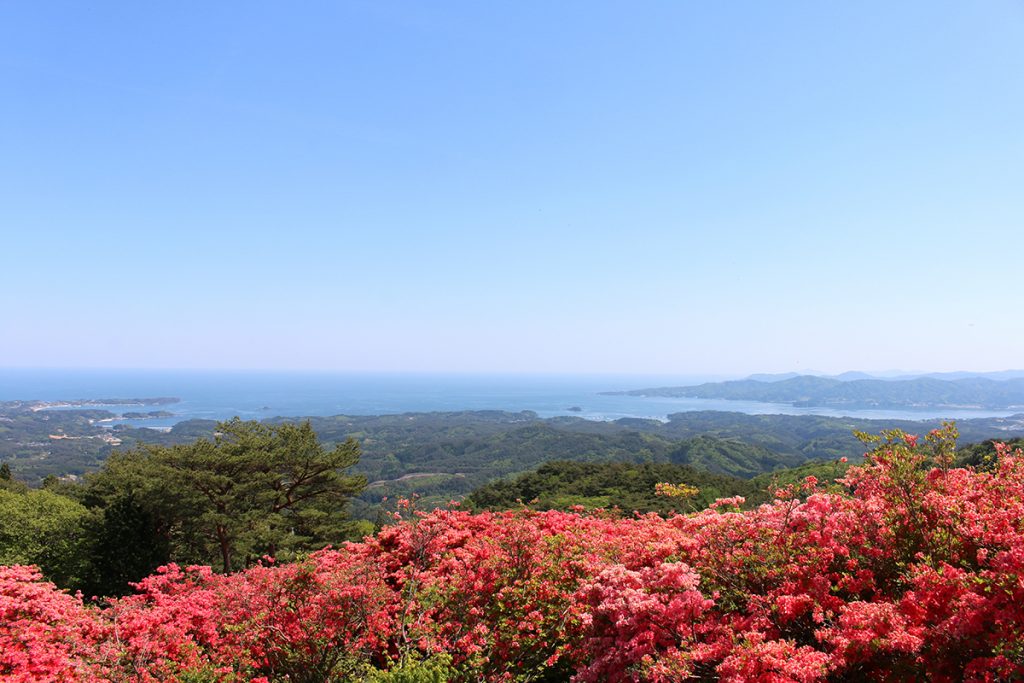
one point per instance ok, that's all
(812, 391)
(632, 487)
(447, 455)
(560, 485)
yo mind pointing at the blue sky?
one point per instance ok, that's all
(660, 187)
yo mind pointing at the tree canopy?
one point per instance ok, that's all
(252, 490)
(45, 529)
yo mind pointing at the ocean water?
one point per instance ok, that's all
(255, 395)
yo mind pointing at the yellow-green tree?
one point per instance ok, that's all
(45, 529)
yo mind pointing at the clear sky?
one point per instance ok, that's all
(660, 187)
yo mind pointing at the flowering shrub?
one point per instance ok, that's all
(45, 634)
(915, 571)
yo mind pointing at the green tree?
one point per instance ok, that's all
(45, 529)
(254, 489)
(126, 543)
(8, 482)
(140, 517)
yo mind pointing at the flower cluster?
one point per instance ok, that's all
(675, 490)
(913, 572)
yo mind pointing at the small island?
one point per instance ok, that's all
(146, 416)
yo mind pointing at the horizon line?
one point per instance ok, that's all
(526, 373)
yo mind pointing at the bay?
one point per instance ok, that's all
(220, 395)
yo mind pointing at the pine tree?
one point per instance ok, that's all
(253, 490)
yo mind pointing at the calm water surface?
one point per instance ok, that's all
(250, 395)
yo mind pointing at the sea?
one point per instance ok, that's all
(220, 395)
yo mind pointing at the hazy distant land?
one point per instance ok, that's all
(810, 391)
(90, 402)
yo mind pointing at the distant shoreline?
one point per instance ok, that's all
(93, 402)
(811, 391)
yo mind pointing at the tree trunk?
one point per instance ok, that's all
(225, 548)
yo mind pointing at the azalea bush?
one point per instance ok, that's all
(909, 569)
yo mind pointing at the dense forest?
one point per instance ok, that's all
(633, 487)
(564, 485)
(440, 456)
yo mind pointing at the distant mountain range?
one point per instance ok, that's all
(891, 376)
(990, 391)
